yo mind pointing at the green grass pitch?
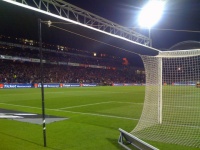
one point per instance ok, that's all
(95, 114)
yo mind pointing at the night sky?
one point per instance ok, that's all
(178, 14)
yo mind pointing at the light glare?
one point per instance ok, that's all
(151, 13)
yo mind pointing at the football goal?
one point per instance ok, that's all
(171, 111)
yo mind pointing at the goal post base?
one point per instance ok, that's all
(198, 84)
(126, 138)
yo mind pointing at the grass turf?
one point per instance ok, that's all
(95, 114)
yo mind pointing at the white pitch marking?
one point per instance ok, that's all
(92, 114)
(128, 103)
(86, 105)
(54, 92)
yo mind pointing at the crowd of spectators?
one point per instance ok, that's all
(62, 57)
(56, 53)
(27, 72)
(15, 71)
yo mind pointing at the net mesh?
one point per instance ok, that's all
(171, 111)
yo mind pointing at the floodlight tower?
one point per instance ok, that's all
(151, 14)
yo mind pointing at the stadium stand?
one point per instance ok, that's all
(105, 70)
(26, 72)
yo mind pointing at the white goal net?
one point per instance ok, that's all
(171, 111)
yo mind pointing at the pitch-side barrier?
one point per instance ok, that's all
(126, 139)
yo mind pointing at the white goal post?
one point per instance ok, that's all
(171, 110)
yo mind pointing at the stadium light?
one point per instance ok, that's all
(151, 14)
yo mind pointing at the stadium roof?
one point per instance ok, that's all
(22, 23)
(185, 45)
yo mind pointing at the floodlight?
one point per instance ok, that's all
(151, 13)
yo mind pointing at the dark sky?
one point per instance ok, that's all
(178, 14)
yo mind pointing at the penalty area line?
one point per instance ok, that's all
(100, 104)
(81, 113)
(86, 105)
